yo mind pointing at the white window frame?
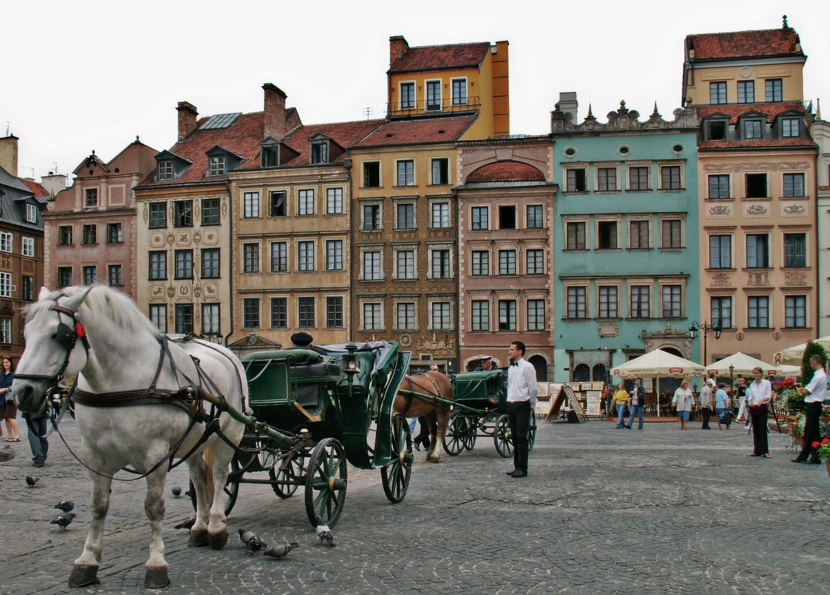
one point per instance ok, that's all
(310, 256)
(31, 213)
(679, 164)
(331, 195)
(431, 314)
(5, 285)
(6, 331)
(618, 286)
(606, 165)
(398, 177)
(427, 84)
(28, 246)
(406, 304)
(250, 205)
(303, 202)
(338, 254)
(377, 315)
(6, 240)
(363, 253)
(396, 272)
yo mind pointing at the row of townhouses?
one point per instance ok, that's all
(436, 228)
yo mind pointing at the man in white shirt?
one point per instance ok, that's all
(521, 402)
(814, 395)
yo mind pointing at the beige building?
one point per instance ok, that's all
(821, 135)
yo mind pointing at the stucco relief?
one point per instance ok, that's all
(759, 166)
(184, 290)
(171, 238)
(157, 291)
(720, 211)
(795, 279)
(157, 240)
(211, 289)
(608, 330)
(757, 211)
(721, 280)
(758, 280)
(146, 213)
(211, 238)
(793, 210)
(183, 238)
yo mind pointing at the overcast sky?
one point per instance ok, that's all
(81, 76)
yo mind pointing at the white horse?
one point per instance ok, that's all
(119, 355)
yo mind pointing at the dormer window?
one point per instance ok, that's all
(790, 128)
(170, 166)
(716, 129)
(270, 156)
(753, 129)
(31, 213)
(165, 170)
(320, 152)
(220, 162)
(217, 166)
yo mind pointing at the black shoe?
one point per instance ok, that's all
(798, 460)
(629, 427)
(511, 473)
(518, 474)
(813, 461)
(417, 446)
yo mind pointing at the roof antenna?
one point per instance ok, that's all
(7, 128)
(786, 26)
(368, 111)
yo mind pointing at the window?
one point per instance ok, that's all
(670, 177)
(790, 128)
(28, 247)
(606, 179)
(371, 174)
(279, 257)
(210, 263)
(507, 262)
(305, 256)
(158, 215)
(480, 315)
(405, 215)
(717, 129)
(250, 313)
(441, 264)
(90, 234)
(480, 217)
(91, 197)
(210, 211)
(114, 233)
(305, 307)
(27, 291)
(6, 331)
(165, 170)
(216, 165)
(719, 186)
(459, 91)
(371, 217)
(440, 171)
(441, 316)
(250, 258)
(672, 301)
(31, 213)
(114, 276)
(535, 217)
(758, 312)
(795, 311)
(6, 242)
(405, 264)
(639, 237)
(372, 316)
(720, 252)
(717, 92)
(752, 129)
(746, 91)
(407, 95)
(184, 264)
(535, 262)
(507, 315)
(576, 180)
(250, 205)
(671, 233)
(334, 312)
(210, 320)
(183, 213)
(158, 266)
(773, 90)
(757, 251)
(433, 95)
(507, 217)
(607, 235)
(65, 235)
(90, 275)
(795, 249)
(756, 185)
(608, 301)
(535, 315)
(334, 201)
(5, 285)
(158, 316)
(320, 152)
(279, 312)
(305, 202)
(638, 178)
(334, 255)
(64, 276)
(371, 266)
(440, 216)
(793, 185)
(577, 302)
(481, 263)
(406, 173)
(640, 301)
(276, 203)
(405, 316)
(576, 236)
(722, 311)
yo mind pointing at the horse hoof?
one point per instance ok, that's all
(218, 540)
(156, 577)
(83, 575)
(434, 460)
(198, 538)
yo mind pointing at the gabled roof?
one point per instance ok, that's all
(441, 57)
(506, 171)
(37, 189)
(745, 44)
(13, 193)
(91, 161)
(418, 131)
(6, 179)
(738, 110)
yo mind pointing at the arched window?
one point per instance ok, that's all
(582, 373)
(541, 367)
(599, 373)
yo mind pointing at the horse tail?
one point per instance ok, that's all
(208, 456)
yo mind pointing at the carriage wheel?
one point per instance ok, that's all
(396, 474)
(325, 483)
(469, 438)
(287, 474)
(502, 438)
(230, 492)
(454, 436)
(531, 431)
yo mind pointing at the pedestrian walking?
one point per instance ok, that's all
(8, 407)
(723, 407)
(707, 403)
(621, 398)
(758, 394)
(684, 402)
(521, 402)
(815, 393)
(638, 403)
(36, 426)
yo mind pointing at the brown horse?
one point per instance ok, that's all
(409, 404)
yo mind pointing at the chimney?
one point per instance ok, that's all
(8, 154)
(53, 183)
(187, 118)
(274, 112)
(397, 48)
(568, 104)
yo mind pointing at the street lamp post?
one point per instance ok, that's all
(705, 327)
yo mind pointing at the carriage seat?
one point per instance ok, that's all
(307, 377)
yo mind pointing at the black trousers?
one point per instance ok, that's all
(519, 418)
(812, 431)
(707, 413)
(423, 434)
(759, 432)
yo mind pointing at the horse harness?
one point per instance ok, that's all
(412, 394)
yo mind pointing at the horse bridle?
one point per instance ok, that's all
(67, 337)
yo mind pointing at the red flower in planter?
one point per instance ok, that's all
(816, 444)
(825, 440)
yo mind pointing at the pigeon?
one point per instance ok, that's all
(281, 551)
(177, 491)
(188, 524)
(251, 541)
(31, 480)
(65, 505)
(324, 533)
(63, 520)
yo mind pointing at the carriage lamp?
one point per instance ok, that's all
(350, 363)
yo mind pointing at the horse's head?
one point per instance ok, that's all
(53, 349)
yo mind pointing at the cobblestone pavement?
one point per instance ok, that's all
(604, 510)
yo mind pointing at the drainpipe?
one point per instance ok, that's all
(347, 164)
(230, 260)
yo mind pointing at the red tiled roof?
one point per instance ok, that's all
(759, 143)
(37, 189)
(735, 111)
(506, 171)
(744, 44)
(441, 57)
(418, 131)
(344, 134)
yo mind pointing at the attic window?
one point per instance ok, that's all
(789, 128)
(753, 129)
(31, 213)
(165, 170)
(217, 166)
(270, 156)
(717, 130)
(320, 152)
(91, 197)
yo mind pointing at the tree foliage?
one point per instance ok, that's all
(812, 349)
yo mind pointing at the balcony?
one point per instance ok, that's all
(423, 108)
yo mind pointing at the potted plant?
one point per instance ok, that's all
(797, 429)
(823, 450)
